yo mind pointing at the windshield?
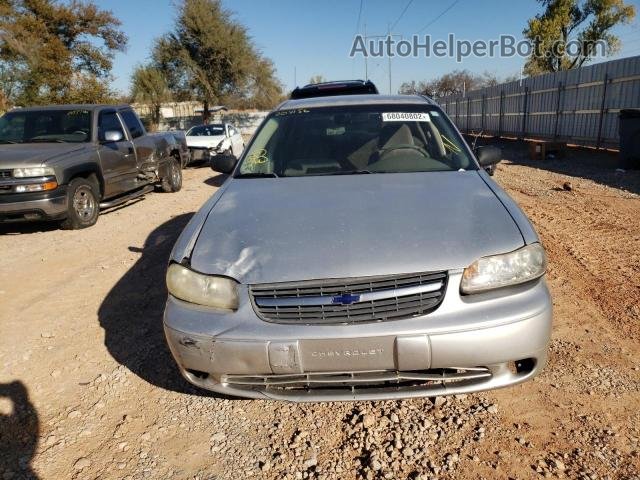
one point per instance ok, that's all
(362, 139)
(46, 126)
(206, 131)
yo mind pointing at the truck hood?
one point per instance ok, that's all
(34, 154)
(299, 228)
(204, 142)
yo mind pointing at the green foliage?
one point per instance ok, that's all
(586, 22)
(54, 52)
(149, 86)
(210, 56)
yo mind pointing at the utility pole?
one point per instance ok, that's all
(389, 56)
(388, 35)
(295, 77)
(366, 66)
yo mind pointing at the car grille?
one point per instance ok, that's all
(350, 300)
(376, 379)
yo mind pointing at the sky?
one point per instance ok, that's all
(305, 38)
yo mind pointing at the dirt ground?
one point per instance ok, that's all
(89, 390)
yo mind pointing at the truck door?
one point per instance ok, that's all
(145, 145)
(118, 158)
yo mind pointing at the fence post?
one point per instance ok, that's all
(558, 111)
(525, 111)
(501, 113)
(602, 109)
(482, 111)
(468, 105)
(457, 115)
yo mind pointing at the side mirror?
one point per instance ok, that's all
(488, 156)
(113, 136)
(223, 163)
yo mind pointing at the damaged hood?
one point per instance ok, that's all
(298, 228)
(204, 142)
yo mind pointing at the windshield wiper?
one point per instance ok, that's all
(339, 172)
(45, 140)
(257, 175)
(353, 172)
(8, 141)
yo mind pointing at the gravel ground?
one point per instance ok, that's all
(89, 390)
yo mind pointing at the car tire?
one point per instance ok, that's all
(172, 182)
(83, 204)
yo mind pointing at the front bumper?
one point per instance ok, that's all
(469, 344)
(50, 205)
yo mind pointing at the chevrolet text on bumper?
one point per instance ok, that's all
(369, 259)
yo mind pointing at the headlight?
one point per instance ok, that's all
(487, 273)
(207, 290)
(33, 172)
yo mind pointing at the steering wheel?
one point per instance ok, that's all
(400, 146)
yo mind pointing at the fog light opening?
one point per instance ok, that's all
(198, 374)
(525, 365)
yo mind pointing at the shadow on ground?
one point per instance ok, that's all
(131, 313)
(598, 166)
(216, 180)
(21, 228)
(19, 429)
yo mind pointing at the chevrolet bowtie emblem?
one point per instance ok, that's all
(346, 299)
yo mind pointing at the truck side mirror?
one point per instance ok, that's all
(113, 136)
(223, 163)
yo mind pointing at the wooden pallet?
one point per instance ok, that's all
(539, 149)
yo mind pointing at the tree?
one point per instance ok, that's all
(453, 83)
(149, 86)
(317, 79)
(57, 52)
(210, 56)
(583, 23)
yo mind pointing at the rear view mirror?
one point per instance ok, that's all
(113, 136)
(223, 163)
(488, 156)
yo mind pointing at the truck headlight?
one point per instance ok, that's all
(487, 273)
(33, 172)
(207, 290)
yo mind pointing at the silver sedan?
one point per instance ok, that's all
(358, 251)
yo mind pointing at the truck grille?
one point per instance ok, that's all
(350, 300)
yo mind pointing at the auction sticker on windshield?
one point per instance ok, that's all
(405, 117)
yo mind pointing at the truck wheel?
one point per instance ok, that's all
(83, 204)
(173, 181)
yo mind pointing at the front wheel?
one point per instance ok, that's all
(172, 182)
(83, 204)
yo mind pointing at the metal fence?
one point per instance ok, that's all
(578, 106)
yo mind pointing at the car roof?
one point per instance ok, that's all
(337, 87)
(353, 100)
(75, 106)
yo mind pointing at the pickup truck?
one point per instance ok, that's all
(67, 162)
